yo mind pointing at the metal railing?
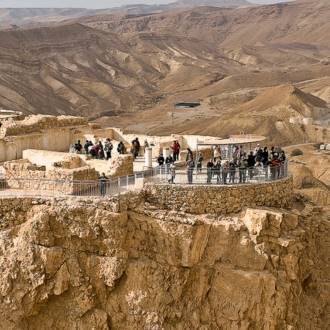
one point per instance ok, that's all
(222, 176)
(35, 187)
(40, 187)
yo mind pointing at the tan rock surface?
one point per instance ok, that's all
(123, 264)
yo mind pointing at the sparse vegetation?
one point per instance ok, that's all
(296, 152)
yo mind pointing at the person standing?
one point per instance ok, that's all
(160, 160)
(217, 170)
(176, 150)
(169, 160)
(172, 173)
(103, 184)
(121, 148)
(225, 170)
(190, 171)
(136, 147)
(100, 150)
(108, 148)
(209, 167)
(78, 147)
(200, 162)
(189, 156)
(236, 153)
(86, 146)
(242, 169)
(251, 161)
(232, 172)
(265, 156)
(282, 159)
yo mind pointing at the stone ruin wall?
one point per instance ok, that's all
(37, 123)
(123, 263)
(121, 165)
(57, 133)
(23, 175)
(53, 139)
(200, 199)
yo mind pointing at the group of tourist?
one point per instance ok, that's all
(98, 150)
(242, 167)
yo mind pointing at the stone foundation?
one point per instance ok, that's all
(25, 176)
(220, 199)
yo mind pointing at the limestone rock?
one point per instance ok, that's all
(120, 264)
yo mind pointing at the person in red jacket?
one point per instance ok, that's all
(176, 150)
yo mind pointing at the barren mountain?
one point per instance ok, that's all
(24, 16)
(269, 114)
(214, 3)
(138, 66)
(76, 69)
(15, 17)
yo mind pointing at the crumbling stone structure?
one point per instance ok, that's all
(214, 199)
(25, 176)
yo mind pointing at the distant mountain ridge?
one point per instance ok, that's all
(128, 69)
(213, 3)
(33, 16)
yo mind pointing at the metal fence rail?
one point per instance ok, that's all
(221, 176)
(35, 187)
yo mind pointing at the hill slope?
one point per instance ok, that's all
(74, 69)
(117, 64)
(269, 114)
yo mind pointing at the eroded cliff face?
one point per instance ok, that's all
(68, 264)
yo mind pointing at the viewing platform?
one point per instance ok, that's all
(40, 159)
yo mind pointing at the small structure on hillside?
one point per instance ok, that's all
(187, 105)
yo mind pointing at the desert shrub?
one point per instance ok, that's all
(296, 152)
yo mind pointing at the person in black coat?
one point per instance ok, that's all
(251, 162)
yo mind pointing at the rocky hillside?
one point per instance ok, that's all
(270, 114)
(79, 264)
(18, 17)
(122, 68)
(213, 3)
(74, 69)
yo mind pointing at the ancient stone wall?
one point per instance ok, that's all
(51, 158)
(199, 199)
(25, 176)
(121, 165)
(37, 123)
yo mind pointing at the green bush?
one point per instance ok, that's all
(296, 152)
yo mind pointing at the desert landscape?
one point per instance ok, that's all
(99, 232)
(117, 68)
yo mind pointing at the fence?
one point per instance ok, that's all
(35, 187)
(13, 186)
(222, 176)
